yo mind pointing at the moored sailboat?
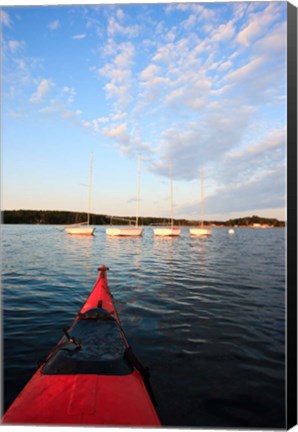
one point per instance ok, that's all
(201, 231)
(129, 231)
(169, 231)
(83, 228)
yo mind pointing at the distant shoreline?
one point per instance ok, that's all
(57, 217)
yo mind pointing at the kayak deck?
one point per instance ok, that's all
(91, 377)
(84, 400)
(100, 349)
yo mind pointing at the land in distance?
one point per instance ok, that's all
(53, 217)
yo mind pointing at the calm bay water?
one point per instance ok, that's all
(206, 315)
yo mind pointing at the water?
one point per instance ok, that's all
(206, 315)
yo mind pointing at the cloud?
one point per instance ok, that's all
(15, 45)
(202, 12)
(265, 192)
(244, 73)
(119, 133)
(54, 25)
(224, 32)
(150, 72)
(258, 25)
(225, 65)
(43, 88)
(118, 72)
(128, 141)
(190, 22)
(58, 106)
(5, 19)
(203, 141)
(122, 137)
(116, 28)
(275, 139)
(70, 93)
(79, 36)
(273, 41)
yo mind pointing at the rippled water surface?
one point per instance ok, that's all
(206, 315)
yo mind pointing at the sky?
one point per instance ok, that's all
(201, 85)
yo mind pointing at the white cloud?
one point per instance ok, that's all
(79, 36)
(246, 72)
(121, 138)
(43, 88)
(225, 65)
(72, 116)
(5, 19)
(118, 132)
(274, 41)
(114, 28)
(119, 116)
(224, 32)
(189, 22)
(120, 14)
(202, 12)
(54, 25)
(258, 25)
(15, 45)
(274, 140)
(118, 72)
(266, 191)
(150, 72)
(69, 92)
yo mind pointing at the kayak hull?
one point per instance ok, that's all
(87, 397)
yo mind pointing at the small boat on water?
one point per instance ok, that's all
(80, 229)
(201, 231)
(168, 231)
(91, 377)
(133, 231)
(128, 231)
(83, 228)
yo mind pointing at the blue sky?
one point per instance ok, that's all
(201, 84)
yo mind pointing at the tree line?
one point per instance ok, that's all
(255, 220)
(55, 217)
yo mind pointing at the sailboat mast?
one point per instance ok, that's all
(171, 183)
(89, 193)
(138, 197)
(202, 199)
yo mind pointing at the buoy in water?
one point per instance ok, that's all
(231, 231)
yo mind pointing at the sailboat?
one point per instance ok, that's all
(201, 231)
(83, 228)
(127, 231)
(170, 231)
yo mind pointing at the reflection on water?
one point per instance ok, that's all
(206, 314)
(130, 247)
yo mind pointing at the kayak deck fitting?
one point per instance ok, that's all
(91, 377)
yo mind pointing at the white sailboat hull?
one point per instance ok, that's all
(83, 228)
(128, 231)
(87, 231)
(200, 232)
(166, 232)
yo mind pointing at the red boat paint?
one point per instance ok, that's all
(65, 398)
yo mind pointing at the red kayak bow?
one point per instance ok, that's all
(91, 377)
